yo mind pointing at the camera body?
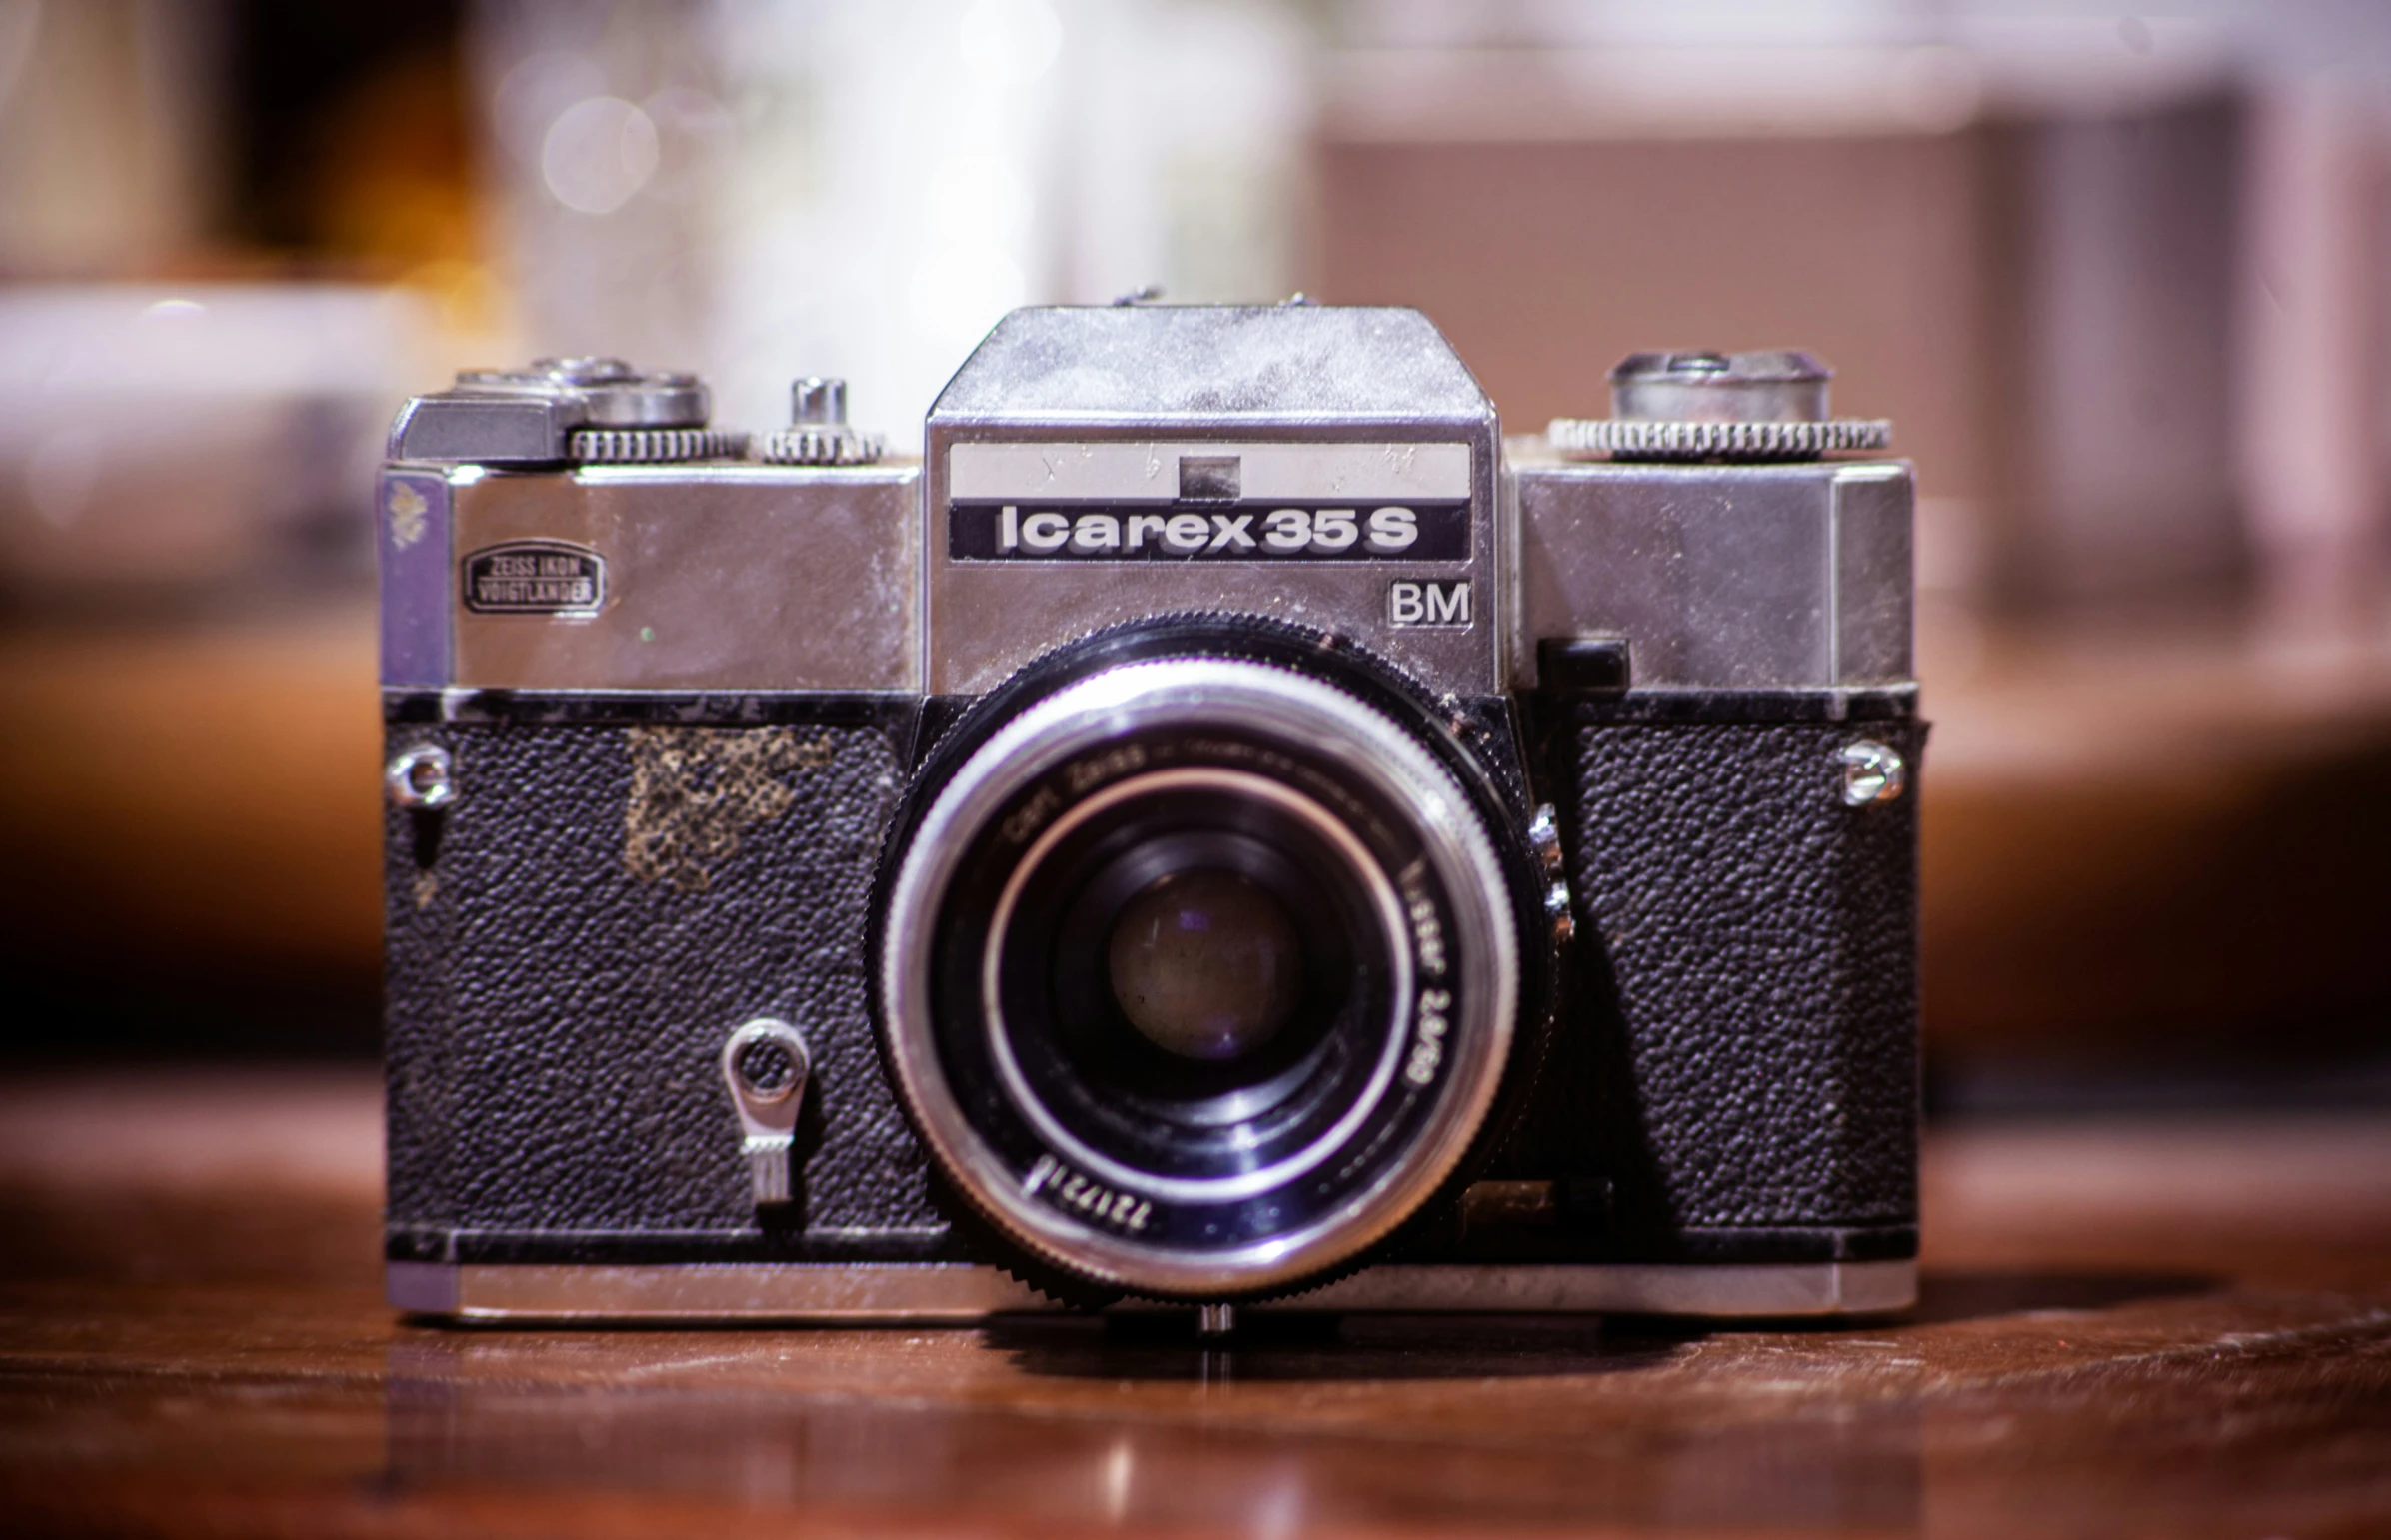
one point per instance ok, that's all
(1524, 838)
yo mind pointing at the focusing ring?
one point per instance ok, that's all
(1452, 906)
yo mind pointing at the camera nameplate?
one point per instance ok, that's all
(1321, 407)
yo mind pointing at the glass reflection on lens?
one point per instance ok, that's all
(1206, 965)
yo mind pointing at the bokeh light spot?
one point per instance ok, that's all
(598, 154)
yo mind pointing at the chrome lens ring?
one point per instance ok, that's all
(1329, 758)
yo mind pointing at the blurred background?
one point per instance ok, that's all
(2122, 280)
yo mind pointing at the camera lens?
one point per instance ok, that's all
(1197, 975)
(1205, 966)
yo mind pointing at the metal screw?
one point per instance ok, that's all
(420, 778)
(1556, 909)
(768, 1070)
(1872, 773)
(1543, 837)
(766, 1062)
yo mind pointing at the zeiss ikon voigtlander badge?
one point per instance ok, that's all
(534, 576)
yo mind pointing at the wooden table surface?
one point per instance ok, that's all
(2166, 1327)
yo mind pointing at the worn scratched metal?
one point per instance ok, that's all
(1725, 576)
(718, 577)
(1065, 380)
(2163, 1328)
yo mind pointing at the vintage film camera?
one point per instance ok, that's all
(1224, 829)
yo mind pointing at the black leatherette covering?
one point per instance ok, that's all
(1746, 1000)
(1735, 1069)
(571, 943)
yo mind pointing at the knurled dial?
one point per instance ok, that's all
(818, 433)
(820, 444)
(1634, 438)
(655, 446)
(1768, 404)
(623, 416)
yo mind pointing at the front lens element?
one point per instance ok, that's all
(1205, 966)
(1257, 936)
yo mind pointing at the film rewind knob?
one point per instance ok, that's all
(764, 1063)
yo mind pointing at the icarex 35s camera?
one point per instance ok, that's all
(1222, 828)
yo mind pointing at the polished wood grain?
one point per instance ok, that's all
(2161, 1327)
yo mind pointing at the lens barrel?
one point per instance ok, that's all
(1197, 975)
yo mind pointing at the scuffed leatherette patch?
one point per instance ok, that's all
(692, 790)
